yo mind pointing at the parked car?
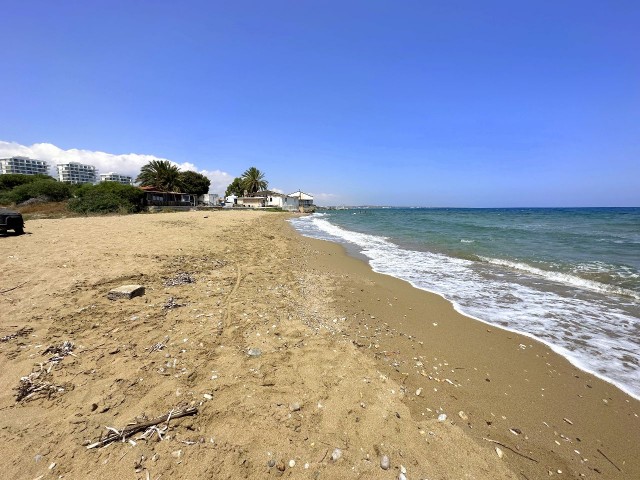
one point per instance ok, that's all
(10, 220)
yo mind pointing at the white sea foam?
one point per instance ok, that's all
(594, 335)
(564, 278)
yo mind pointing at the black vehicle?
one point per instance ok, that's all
(11, 221)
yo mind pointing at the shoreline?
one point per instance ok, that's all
(574, 391)
(352, 250)
(325, 376)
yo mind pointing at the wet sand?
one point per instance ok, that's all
(325, 378)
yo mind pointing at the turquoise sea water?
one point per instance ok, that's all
(567, 277)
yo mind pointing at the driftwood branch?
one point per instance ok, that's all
(509, 448)
(13, 288)
(129, 430)
(610, 461)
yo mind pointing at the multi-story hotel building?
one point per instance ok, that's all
(116, 177)
(74, 172)
(24, 166)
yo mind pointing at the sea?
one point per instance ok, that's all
(568, 277)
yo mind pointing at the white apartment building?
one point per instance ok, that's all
(24, 166)
(74, 172)
(116, 177)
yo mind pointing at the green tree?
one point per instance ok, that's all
(161, 175)
(194, 183)
(234, 188)
(253, 180)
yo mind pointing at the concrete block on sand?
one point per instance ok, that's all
(126, 291)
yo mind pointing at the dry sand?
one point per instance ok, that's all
(329, 375)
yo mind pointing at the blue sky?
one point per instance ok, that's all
(471, 104)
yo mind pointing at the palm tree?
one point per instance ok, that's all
(160, 174)
(253, 180)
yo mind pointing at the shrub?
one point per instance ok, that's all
(51, 189)
(107, 197)
(11, 180)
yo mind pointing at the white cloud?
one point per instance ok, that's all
(124, 164)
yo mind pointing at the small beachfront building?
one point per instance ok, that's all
(304, 199)
(154, 198)
(269, 198)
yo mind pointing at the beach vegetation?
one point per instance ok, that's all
(161, 175)
(43, 188)
(234, 188)
(107, 197)
(11, 180)
(253, 180)
(194, 183)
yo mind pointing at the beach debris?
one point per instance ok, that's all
(515, 431)
(336, 455)
(126, 291)
(463, 415)
(171, 303)
(568, 421)
(149, 428)
(418, 392)
(23, 332)
(385, 463)
(13, 288)
(442, 417)
(60, 351)
(179, 279)
(36, 384)
(156, 347)
(254, 352)
(499, 452)
(402, 476)
(292, 463)
(608, 459)
(509, 448)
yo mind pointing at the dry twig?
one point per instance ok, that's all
(610, 461)
(121, 435)
(13, 288)
(509, 448)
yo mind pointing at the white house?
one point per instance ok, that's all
(304, 199)
(269, 198)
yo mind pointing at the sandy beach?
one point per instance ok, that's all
(301, 361)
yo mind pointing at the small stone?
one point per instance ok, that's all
(463, 415)
(402, 476)
(418, 392)
(176, 453)
(336, 455)
(94, 407)
(52, 466)
(384, 462)
(126, 292)
(208, 396)
(281, 466)
(271, 463)
(254, 352)
(292, 463)
(499, 452)
(403, 469)
(294, 407)
(442, 417)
